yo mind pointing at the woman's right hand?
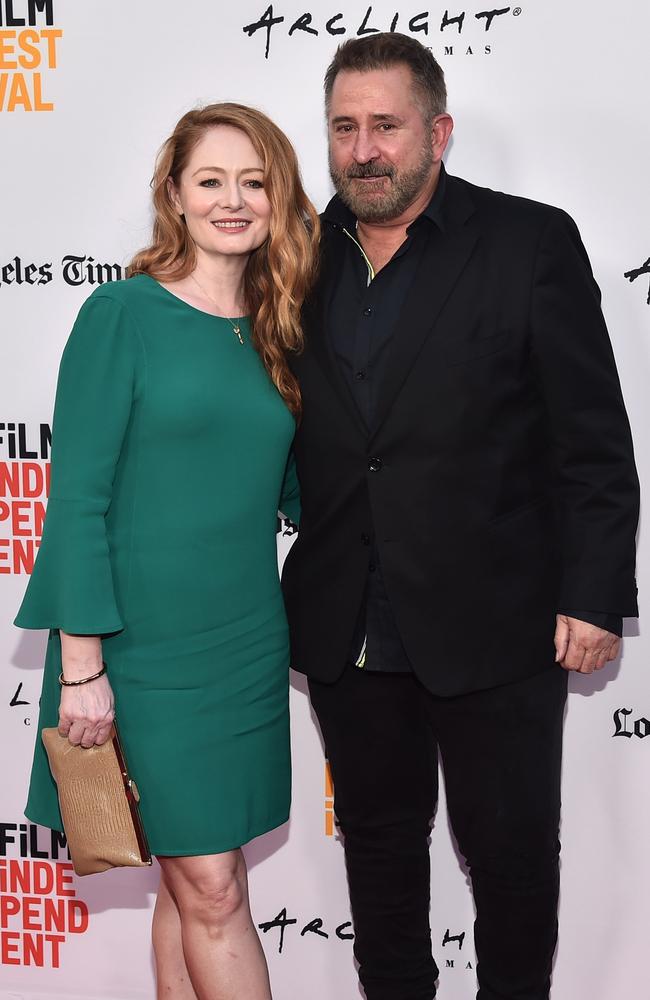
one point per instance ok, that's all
(86, 711)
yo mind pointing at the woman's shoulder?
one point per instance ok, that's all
(114, 312)
(129, 292)
(129, 302)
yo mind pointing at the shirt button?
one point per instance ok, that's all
(365, 539)
(359, 376)
(367, 312)
(375, 464)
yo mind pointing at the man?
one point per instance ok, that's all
(469, 505)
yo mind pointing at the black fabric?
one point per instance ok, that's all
(494, 474)
(364, 315)
(500, 752)
(611, 623)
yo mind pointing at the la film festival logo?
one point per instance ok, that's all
(29, 53)
(24, 488)
(330, 819)
(39, 907)
(448, 31)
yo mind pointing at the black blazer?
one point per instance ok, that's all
(498, 480)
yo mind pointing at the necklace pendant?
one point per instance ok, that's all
(238, 333)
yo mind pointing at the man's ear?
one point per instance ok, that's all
(172, 192)
(441, 129)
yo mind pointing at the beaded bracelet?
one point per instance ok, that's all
(83, 680)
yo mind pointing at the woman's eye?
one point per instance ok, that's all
(209, 182)
(256, 185)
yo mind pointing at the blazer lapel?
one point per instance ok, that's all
(441, 265)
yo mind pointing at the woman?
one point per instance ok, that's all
(174, 418)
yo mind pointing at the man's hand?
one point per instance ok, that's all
(583, 647)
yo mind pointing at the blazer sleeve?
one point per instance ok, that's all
(611, 623)
(290, 498)
(71, 587)
(596, 486)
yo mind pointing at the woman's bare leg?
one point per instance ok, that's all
(172, 978)
(222, 950)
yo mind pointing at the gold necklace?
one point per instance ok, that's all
(235, 326)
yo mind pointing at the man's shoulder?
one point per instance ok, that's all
(494, 208)
(503, 208)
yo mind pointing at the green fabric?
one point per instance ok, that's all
(170, 451)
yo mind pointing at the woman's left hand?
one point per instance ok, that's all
(86, 711)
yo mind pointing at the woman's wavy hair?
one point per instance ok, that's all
(281, 271)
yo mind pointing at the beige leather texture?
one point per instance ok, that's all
(99, 804)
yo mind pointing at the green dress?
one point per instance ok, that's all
(170, 460)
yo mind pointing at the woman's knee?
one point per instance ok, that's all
(210, 893)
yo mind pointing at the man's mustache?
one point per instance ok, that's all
(369, 170)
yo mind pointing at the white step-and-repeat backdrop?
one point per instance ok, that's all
(551, 101)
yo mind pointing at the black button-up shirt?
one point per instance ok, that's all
(365, 309)
(363, 317)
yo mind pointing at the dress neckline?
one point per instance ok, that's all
(202, 312)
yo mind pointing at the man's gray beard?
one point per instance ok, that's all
(404, 189)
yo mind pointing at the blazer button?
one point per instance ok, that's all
(365, 539)
(375, 464)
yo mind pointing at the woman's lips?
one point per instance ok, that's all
(231, 225)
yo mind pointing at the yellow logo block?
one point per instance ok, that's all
(329, 801)
(23, 57)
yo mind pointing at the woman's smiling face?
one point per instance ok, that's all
(221, 194)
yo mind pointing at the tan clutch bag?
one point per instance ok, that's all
(99, 804)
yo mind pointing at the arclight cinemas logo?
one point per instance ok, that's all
(459, 30)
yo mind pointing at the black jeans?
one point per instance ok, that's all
(501, 755)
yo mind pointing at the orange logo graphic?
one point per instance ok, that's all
(329, 802)
(27, 50)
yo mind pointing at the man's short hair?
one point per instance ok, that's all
(385, 50)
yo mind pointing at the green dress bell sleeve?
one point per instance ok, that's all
(71, 587)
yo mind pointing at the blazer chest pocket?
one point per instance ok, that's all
(471, 350)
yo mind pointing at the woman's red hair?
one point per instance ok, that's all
(280, 272)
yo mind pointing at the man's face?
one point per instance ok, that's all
(382, 154)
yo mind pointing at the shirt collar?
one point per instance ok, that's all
(433, 210)
(340, 215)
